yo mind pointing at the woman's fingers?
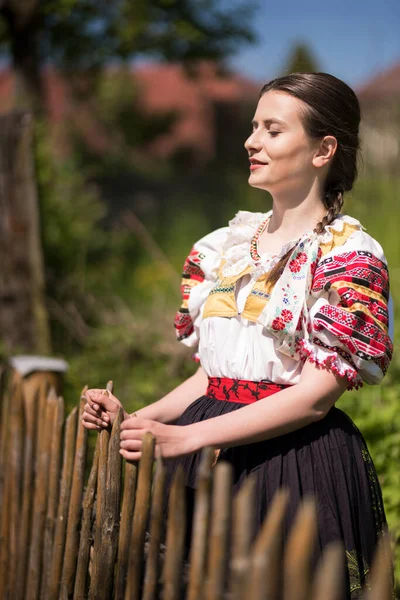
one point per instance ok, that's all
(131, 456)
(92, 426)
(90, 417)
(131, 445)
(132, 434)
(99, 397)
(89, 410)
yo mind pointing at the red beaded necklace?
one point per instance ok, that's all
(254, 242)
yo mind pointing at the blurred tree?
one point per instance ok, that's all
(301, 60)
(83, 35)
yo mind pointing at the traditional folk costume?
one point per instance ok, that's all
(329, 305)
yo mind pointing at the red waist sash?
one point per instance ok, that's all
(241, 390)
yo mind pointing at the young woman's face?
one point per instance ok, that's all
(280, 153)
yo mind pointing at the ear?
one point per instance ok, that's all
(325, 151)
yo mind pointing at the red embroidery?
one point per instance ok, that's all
(287, 315)
(294, 266)
(241, 390)
(330, 363)
(191, 271)
(354, 274)
(301, 257)
(278, 324)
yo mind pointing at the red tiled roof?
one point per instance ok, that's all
(163, 88)
(383, 85)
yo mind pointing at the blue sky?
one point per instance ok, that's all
(352, 39)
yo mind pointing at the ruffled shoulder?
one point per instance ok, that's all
(241, 232)
(350, 306)
(199, 275)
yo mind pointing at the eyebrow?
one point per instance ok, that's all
(269, 121)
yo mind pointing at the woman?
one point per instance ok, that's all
(291, 303)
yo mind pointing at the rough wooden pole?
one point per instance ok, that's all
(63, 504)
(75, 503)
(329, 578)
(128, 505)
(381, 581)
(54, 489)
(201, 518)
(110, 516)
(140, 516)
(219, 533)
(156, 531)
(96, 581)
(31, 400)
(80, 589)
(299, 551)
(175, 540)
(40, 505)
(264, 579)
(242, 535)
(14, 477)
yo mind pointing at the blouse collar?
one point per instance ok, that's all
(243, 229)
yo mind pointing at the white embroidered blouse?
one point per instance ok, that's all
(330, 304)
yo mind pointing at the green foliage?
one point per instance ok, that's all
(85, 34)
(301, 60)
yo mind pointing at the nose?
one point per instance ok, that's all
(253, 142)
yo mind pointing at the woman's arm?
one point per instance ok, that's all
(101, 409)
(285, 411)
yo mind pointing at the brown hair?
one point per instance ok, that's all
(330, 108)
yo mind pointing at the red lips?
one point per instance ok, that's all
(256, 164)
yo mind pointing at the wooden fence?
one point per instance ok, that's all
(63, 539)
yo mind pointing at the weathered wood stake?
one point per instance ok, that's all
(63, 504)
(140, 516)
(201, 520)
(156, 531)
(85, 542)
(175, 539)
(220, 530)
(128, 504)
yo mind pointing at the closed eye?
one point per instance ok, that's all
(274, 133)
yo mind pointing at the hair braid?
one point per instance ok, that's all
(333, 202)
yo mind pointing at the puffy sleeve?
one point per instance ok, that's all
(200, 272)
(351, 312)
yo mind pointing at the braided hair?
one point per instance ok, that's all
(330, 108)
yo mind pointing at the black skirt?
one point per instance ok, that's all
(328, 459)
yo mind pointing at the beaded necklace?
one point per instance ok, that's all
(254, 241)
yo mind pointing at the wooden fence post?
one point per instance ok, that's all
(140, 516)
(32, 589)
(156, 531)
(175, 539)
(242, 535)
(201, 520)
(128, 505)
(63, 504)
(299, 550)
(264, 579)
(75, 503)
(86, 529)
(220, 530)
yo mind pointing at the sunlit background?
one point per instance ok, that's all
(140, 113)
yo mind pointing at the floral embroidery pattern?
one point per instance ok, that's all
(240, 390)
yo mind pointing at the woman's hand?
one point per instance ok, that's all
(100, 410)
(171, 440)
